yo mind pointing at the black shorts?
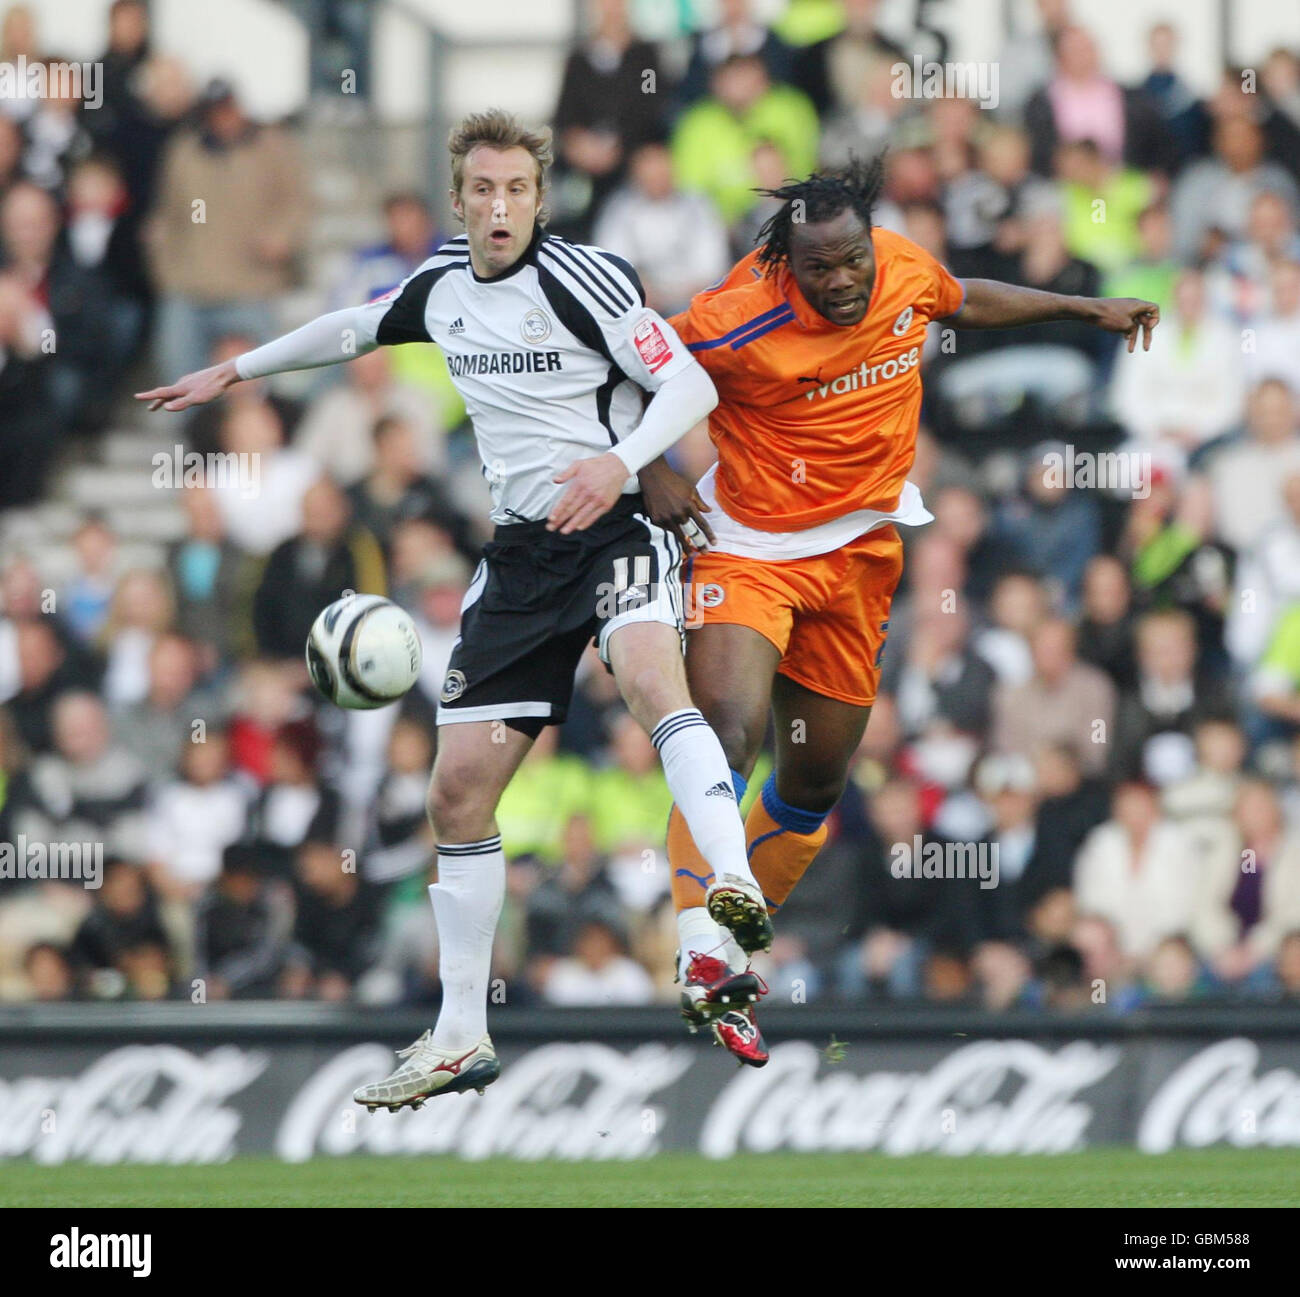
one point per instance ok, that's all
(538, 599)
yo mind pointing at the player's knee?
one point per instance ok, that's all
(817, 789)
(461, 803)
(651, 691)
(736, 734)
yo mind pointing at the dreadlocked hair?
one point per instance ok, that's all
(825, 194)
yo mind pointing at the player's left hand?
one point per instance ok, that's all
(1127, 315)
(597, 484)
(675, 503)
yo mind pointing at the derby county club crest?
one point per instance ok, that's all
(535, 326)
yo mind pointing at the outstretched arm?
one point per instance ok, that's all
(327, 340)
(991, 304)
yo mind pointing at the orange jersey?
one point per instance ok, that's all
(816, 420)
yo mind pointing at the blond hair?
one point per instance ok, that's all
(498, 129)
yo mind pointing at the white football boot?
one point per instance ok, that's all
(429, 1071)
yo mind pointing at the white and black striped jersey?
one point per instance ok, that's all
(549, 357)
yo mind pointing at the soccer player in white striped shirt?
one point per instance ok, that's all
(551, 346)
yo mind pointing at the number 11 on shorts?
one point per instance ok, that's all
(640, 573)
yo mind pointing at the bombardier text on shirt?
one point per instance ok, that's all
(504, 362)
(550, 357)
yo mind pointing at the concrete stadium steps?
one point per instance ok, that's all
(98, 486)
(156, 527)
(133, 448)
(113, 476)
(24, 529)
(118, 481)
(351, 165)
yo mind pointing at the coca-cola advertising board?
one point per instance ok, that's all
(207, 1100)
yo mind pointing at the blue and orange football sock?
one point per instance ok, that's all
(690, 877)
(689, 873)
(783, 842)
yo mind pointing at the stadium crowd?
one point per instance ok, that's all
(1102, 681)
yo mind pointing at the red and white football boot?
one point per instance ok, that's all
(717, 997)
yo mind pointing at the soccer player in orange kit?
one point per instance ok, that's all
(814, 344)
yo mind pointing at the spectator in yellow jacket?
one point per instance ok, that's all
(714, 142)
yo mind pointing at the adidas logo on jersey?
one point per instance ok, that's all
(722, 789)
(457, 327)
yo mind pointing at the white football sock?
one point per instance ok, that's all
(466, 904)
(698, 934)
(736, 958)
(700, 782)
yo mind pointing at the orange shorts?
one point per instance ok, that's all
(827, 615)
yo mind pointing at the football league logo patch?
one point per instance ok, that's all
(651, 345)
(903, 323)
(453, 686)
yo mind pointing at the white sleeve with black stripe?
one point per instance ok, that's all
(327, 340)
(640, 341)
(395, 317)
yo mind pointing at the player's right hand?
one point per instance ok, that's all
(673, 502)
(595, 484)
(194, 389)
(1131, 316)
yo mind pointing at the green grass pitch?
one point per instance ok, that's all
(1098, 1178)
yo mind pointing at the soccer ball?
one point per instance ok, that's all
(363, 652)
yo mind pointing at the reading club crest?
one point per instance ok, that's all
(903, 323)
